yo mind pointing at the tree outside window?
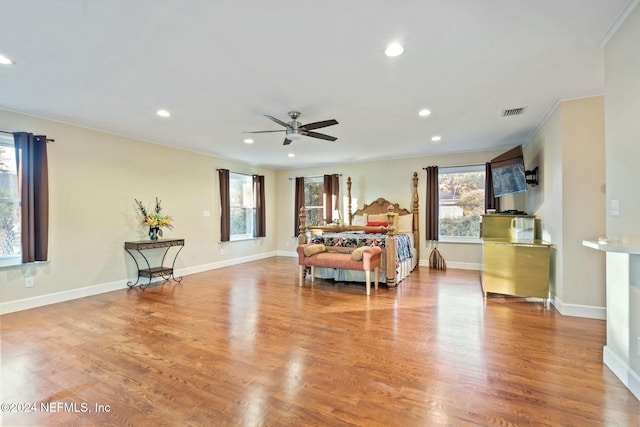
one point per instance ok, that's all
(461, 201)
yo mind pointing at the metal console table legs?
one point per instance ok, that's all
(144, 267)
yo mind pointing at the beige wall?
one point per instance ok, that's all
(391, 179)
(94, 178)
(569, 151)
(622, 105)
(583, 216)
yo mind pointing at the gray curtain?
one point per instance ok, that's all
(225, 205)
(490, 202)
(33, 185)
(433, 201)
(299, 203)
(260, 230)
(331, 193)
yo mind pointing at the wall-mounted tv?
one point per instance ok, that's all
(508, 173)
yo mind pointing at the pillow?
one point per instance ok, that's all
(377, 224)
(356, 255)
(314, 249)
(377, 218)
(359, 220)
(405, 224)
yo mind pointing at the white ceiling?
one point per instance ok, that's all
(219, 65)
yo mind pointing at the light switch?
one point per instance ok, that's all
(615, 208)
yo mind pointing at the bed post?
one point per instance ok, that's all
(302, 232)
(349, 200)
(390, 244)
(416, 215)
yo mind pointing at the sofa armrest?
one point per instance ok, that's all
(371, 257)
(301, 256)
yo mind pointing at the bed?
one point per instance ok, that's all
(381, 223)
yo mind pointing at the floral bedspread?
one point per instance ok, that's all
(404, 242)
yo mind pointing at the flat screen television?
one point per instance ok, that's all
(508, 173)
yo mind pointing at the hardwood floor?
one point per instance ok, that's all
(244, 345)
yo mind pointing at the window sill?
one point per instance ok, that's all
(242, 238)
(13, 261)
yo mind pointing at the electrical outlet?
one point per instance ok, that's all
(28, 282)
(206, 214)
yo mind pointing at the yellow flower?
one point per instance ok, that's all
(155, 219)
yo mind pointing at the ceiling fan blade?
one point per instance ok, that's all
(266, 131)
(318, 125)
(286, 141)
(280, 122)
(319, 135)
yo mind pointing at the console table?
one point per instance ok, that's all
(144, 268)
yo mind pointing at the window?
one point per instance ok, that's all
(10, 246)
(314, 200)
(461, 202)
(243, 211)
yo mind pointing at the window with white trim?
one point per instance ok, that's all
(461, 198)
(314, 200)
(243, 211)
(10, 246)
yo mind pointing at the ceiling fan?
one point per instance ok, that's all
(295, 130)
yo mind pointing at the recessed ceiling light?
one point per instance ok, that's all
(291, 155)
(436, 138)
(394, 49)
(163, 113)
(248, 141)
(424, 113)
(5, 61)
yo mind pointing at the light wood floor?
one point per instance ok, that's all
(245, 345)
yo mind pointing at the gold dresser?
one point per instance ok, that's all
(513, 267)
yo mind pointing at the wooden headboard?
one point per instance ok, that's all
(380, 206)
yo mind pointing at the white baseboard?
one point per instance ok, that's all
(624, 373)
(290, 254)
(42, 300)
(54, 298)
(577, 310)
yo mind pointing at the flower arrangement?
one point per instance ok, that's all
(155, 220)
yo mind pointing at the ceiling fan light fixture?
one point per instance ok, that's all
(293, 136)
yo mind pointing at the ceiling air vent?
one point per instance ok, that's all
(513, 111)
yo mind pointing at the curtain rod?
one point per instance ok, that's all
(459, 166)
(315, 176)
(237, 173)
(6, 131)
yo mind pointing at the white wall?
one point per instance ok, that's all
(622, 105)
(94, 178)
